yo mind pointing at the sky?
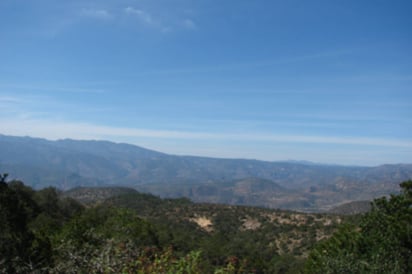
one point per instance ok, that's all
(323, 81)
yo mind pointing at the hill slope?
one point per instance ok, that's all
(294, 185)
(283, 232)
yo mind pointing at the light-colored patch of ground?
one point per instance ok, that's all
(286, 244)
(251, 224)
(327, 222)
(301, 219)
(291, 219)
(278, 247)
(320, 236)
(204, 223)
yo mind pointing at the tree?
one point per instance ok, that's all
(382, 243)
(15, 238)
(28, 222)
(103, 240)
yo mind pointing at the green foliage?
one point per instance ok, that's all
(108, 223)
(286, 264)
(27, 227)
(267, 248)
(16, 210)
(166, 262)
(141, 233)
(102, 239)
(381, 244)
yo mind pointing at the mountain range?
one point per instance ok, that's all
(66, 164)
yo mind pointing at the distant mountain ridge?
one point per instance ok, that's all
(296, 185)
(351, 208)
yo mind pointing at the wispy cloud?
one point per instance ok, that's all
(10, 99)
(57, 19)
(147, 19)
(97, 13)
(60, 129)
(259, 64)
(50, 88)
(140, 14)
(189, 24)
(162, 23)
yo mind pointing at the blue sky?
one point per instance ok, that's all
(324, 81)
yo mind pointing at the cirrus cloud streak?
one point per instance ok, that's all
(59, 129)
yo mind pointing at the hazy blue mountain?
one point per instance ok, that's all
(69, 163)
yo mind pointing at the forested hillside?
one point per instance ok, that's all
(66, 164)
(46, 231)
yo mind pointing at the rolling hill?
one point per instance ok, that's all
(302, 186)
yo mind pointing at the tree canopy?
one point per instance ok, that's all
(382, 243)
(45, 232)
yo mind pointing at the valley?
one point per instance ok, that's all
(305, 187)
